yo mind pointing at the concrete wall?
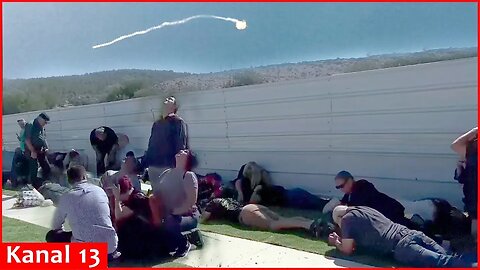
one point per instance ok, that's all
(392, 126)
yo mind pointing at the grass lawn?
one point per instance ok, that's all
(299, 240)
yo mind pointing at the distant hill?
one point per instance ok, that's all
(47, 93)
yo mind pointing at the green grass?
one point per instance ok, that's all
(9, 192)
(295, 239)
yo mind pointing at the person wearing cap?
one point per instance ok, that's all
(86, 208)
(364, 193)
(168, 136)
(366, 229)
(105, 143)
(36, 149)
(138, 237)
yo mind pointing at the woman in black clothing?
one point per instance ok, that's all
(256, 216)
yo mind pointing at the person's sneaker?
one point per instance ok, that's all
(180, 253)
(195, 238)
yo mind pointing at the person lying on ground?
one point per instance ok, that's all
(250, 176)
(258, 216)
(364, 193)
(364, 228)
(87, 210)
(467, 171)
(139, 236)
(177, 189)
(291, 198)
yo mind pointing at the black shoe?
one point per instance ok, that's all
(315, 229)
(195, 238)
(183, 252)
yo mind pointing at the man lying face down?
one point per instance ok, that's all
(364, 228)
(258, 216)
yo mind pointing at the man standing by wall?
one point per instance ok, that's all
(168, 137)
(36, 149)
(105, 143)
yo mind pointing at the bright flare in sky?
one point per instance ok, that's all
(240, 25)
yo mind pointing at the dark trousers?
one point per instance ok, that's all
(58, 236)
(418, 250)
(33, 169)
(111, 156)
(61, 236)
(175, 225)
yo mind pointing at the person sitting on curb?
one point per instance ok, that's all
(87, 210)
(366, 228)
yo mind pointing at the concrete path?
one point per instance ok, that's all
(219, 250)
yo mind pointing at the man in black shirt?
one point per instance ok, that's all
(364, 193)
(36, 149)
(366, 228)
(105, 143)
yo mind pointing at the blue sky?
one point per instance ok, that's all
(51, 39)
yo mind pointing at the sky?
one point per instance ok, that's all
(56, 39)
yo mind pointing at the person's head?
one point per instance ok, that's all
(344, 182)
(338, 213)
(101, 134)
(170, 106)
(126, 188)
(43, 119)
(130, 163)
(185, 160)
(21, 123)
(76, 174)
(73, 154)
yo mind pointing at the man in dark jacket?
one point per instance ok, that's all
(168, 137)
(105, 143)
(36, 149)
(364, 193)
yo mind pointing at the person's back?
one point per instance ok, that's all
(170, 188)
(370, 229)
(364, 193)
(86, 207)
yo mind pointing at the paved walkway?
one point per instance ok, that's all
(219, 250)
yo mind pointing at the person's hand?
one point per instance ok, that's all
(332, 239)
(115, 191)
(33, 155)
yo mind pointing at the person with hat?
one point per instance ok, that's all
(167, 138)
(105, 143)
(364, 193)
(36, 149)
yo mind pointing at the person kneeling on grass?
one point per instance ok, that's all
(86, 208)
(138, 235)
(365, 228)
(257, 216)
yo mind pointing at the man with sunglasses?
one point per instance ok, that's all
(364, 193)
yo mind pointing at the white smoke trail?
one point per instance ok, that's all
(240, 25)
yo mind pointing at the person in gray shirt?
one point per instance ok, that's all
(86, 208)
(365, 228)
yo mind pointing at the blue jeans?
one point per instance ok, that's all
(418, 250)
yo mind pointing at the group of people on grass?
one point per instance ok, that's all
(164, 222)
